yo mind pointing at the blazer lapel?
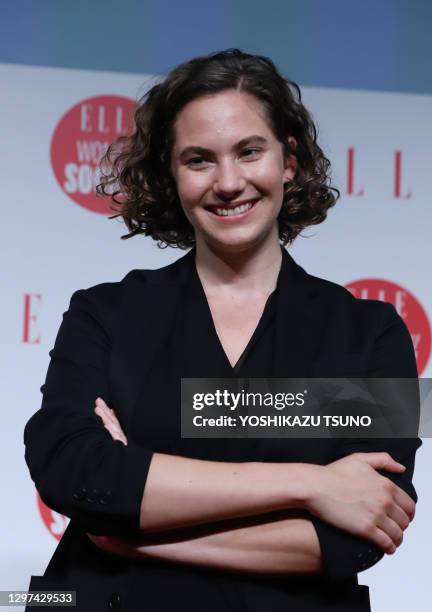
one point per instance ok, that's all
(149, 309)
(300, 321)
(153, 299)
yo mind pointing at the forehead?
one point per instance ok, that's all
(229, 114)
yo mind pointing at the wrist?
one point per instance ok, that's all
(308, 480)
(283, 486)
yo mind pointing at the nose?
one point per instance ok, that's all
(229, 180)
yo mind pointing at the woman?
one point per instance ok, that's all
(223, 159)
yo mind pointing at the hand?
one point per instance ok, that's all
(352, 495)
(110, 420)
(112, 545)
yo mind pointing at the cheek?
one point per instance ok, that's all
(269, 173)
(268, 178)
(191, 189)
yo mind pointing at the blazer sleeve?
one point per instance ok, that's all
(392, 357)
(78, 469)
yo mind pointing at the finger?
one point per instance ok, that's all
(383, 541)
(115, 423)
(382, 461)
(401, 498)
(399, 516)
(100, 402)
(392, 529)
(122, 439)
(394, 467)
(117, 435)
(405, 502)
(102, 414)
(102, 408)
(111, 418)
(107, 412)
(113, 428)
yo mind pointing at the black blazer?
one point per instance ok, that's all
(107, 341)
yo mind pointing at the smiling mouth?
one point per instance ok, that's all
(231, 210)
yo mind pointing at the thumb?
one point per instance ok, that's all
(382, 461)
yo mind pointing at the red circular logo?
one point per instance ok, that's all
(79, 141)
(408, 308)
(56, 523)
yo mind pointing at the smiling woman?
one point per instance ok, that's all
(201, 106)
(231, 193)
(223, 159)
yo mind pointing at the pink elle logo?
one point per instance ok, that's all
(408, 308)
(31, 302)
(55, 523)
(80, 139)
(351, 189)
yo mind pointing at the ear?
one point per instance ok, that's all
(290, 161)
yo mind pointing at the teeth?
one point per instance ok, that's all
(230, 212)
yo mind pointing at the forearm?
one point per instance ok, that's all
(347, 493)
(182, 492)
(278, 546)
(282, 546)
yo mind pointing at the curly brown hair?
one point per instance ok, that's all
(135, 170)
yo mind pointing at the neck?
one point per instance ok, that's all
(252, 270)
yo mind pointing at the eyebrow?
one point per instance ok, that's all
(255, 139)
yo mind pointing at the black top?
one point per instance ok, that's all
(194, 350)
(130, 343)
(204, 355)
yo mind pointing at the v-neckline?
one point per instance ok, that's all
(254, 337)
(236, 367)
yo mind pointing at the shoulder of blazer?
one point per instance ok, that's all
(107, 299)
(370, 314)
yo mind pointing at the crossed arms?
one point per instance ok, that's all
(267, 517)
(204, 513)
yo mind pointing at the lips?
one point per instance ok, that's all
(213, 207)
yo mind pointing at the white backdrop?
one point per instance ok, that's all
(53, 246)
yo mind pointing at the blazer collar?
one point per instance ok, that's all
(151, 319)
(151, 302)
(300, 318)
(299, 321)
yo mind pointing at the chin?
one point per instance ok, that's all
(234, 245)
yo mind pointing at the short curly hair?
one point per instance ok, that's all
(135, 170)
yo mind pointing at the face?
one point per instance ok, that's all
(229, 170)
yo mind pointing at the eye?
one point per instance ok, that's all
(251, 152)
(195, 161)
